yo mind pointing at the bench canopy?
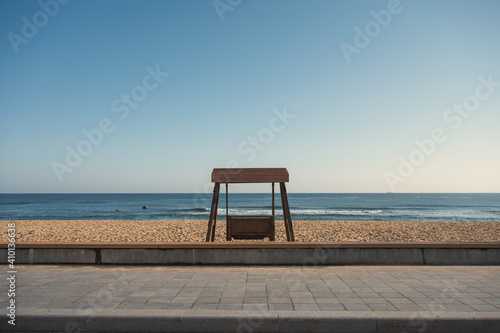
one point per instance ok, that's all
(250, 175)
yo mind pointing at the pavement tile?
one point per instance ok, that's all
(192, 289)
(179, 306)
(205, 306)
(399, 300)
(167, 299)
(278, 294)
(190, 300)
(303, 300)
(157, 301)
(154, 306)
(421, 300)
(368, 295)
(331, 300)
(493, 301)
(362, 290)
(143, 293)
(281, 300)
(351, 300)
(230, 306)
(281, 307)
(77, 306)
(345, 294)
(331, 307)
(233, 293)
(255, 300)
(412, 294)
(69, 299)
(447, 300)
(206, 300)
(256, 294)
(356, 307)
(256, 307)
(129, 306)
(382, 307)
(407, 307)
(136, 299)
(459, 308)
(300, 294)
(391, 294)
(323, 295)
(231, 300)
(168, 291)
(188, 293)
(468, 300)
(55, 305)
(482, 295)
(484, 307)
(210, 293)
(306, 307)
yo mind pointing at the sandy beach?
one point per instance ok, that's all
(305, 231)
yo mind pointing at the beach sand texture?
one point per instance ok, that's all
(305, 231)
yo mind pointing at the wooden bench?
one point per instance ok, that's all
(250, 227)
(255, 226)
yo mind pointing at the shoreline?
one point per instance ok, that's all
(305, 231)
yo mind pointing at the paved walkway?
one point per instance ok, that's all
(411, 291)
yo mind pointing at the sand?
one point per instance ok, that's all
(305, 231)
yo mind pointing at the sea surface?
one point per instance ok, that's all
(304, 206)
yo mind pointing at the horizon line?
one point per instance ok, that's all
(277, 192)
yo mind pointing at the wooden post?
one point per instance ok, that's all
(213, 214)
(286, 212)
(273, 198)
(287, 231)
(216, 210)
(211, 218)
(228, 234)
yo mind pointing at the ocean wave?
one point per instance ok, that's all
(336, 212)
(192, 211)
(16, 203)
(300, 212)
(196, 209)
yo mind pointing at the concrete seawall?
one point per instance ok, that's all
(225, 253)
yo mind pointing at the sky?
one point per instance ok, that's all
(150, 96)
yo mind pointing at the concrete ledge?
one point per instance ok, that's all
(258, 253)
(249, 321)
(251, 245)
(52, 256)
(249, 256)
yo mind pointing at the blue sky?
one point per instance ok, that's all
(171, 89)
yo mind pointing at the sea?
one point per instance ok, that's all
(303, 206)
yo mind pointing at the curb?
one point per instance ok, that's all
(91, 320)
